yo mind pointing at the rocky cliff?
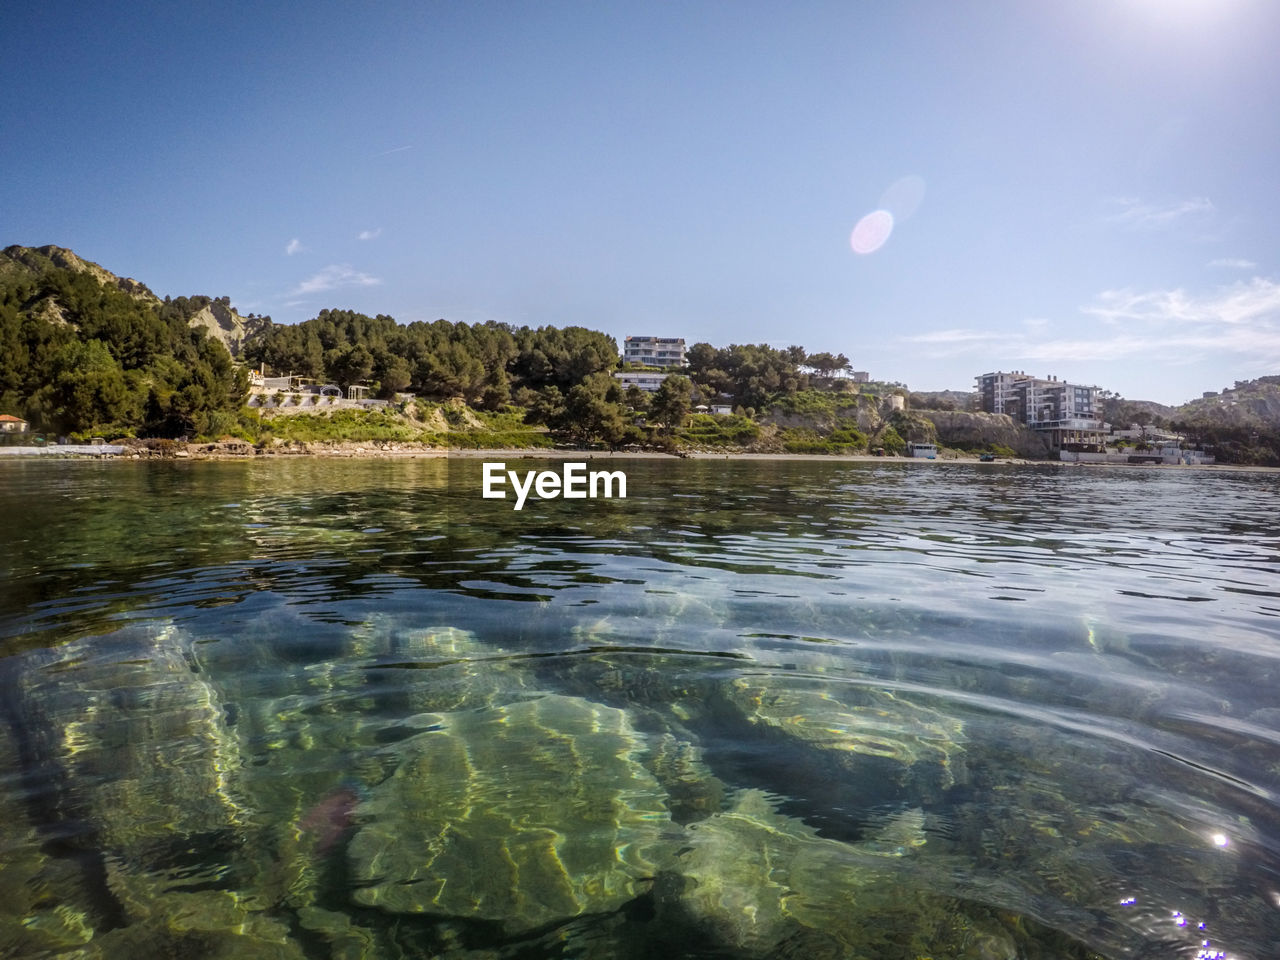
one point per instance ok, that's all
(958, 428)
(220, 321)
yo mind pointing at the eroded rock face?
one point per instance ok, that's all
(975, 429)
(224, 324)
(525, 814)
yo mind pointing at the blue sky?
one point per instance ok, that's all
(1086, 189)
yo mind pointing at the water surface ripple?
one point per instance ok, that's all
(340, 709)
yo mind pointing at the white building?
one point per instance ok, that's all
(648, 382)
(11, 424)
(654, 351)
(1067, 413)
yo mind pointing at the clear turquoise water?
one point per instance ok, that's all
(350, 709)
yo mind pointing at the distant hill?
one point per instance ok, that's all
(1250, 400)
(1240, 425)
(17, 262)
(1121, 412)
(86, 352)
(217, 318)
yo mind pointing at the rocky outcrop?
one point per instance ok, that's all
(221, 322)
(957, 428)
(35, 260)
(867, 410)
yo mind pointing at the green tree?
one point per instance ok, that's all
(590, 416)
(87, 391)
(392, 373)
(637, 399)
(350, 365)
(891, 441)
(672, 401)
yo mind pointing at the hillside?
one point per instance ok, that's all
(1249, 401)
(30, 262)
(1240, 425)
(86, 352)
(1122, 412)
(220, 321)
(217, 318)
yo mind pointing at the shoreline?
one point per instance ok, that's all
(402, 450)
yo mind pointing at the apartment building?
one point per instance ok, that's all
(1067, 413)
(654, 351)
(648, 382)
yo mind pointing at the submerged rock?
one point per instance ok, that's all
(140, 736)
(755, 877)
(526, 814)
(143, 770)
(914, 751)
(876, 723)
(763, 884)
(443, 668)
(43, 899)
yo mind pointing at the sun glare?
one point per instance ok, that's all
(871, 232)
(1184, 13)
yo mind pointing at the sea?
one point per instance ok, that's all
(308, 708)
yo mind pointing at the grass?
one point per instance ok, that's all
(343, 425)
(496, 439)
(501, 429)
(806, 440)
(706, 430)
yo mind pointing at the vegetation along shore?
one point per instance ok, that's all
(89, 357)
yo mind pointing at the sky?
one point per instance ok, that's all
(1083, 189)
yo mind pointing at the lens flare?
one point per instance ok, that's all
(871, 232)
(904, 196)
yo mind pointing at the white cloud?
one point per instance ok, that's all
(333, 276)
(1233, 263)
(1016, 346)
(1169, 326)
(952, 336)
(294, 246)
(1136, 214)
(369, 234)
(1257, 301)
